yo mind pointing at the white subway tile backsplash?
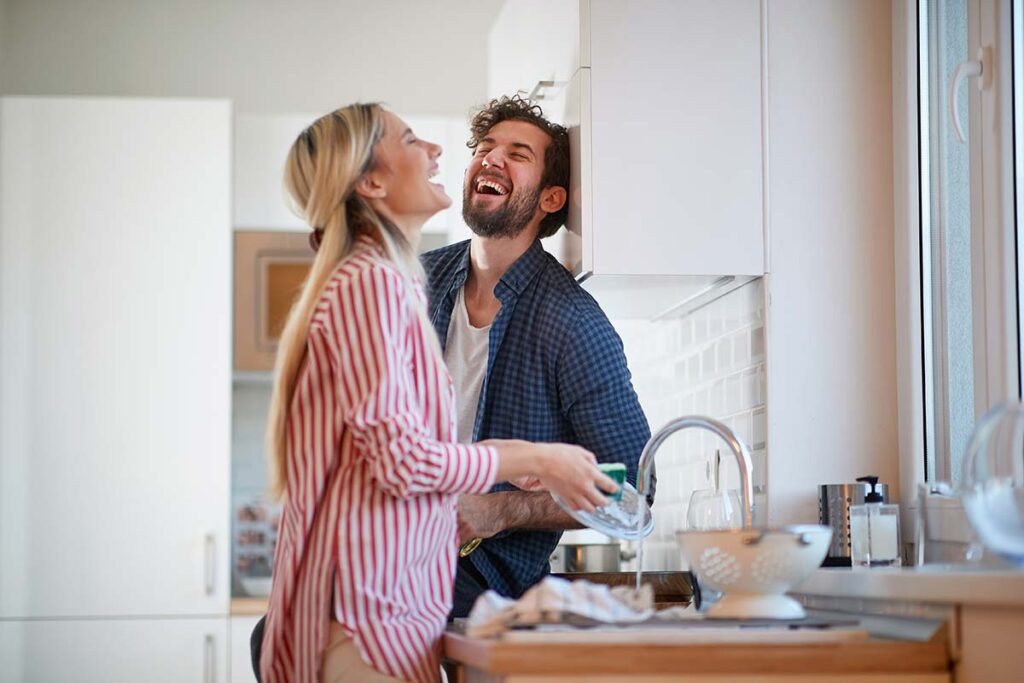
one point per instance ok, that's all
(710, 362)
(760, 425)
(700, 329)
(742, 426)
(733, 397)
(707, 363)
(686, 334)
(716, 325)
(724, 354)
(757, 343)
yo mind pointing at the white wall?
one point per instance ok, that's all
(832, 407)
(264, 55)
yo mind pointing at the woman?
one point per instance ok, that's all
(361, 424)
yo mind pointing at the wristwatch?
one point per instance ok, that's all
(469, 546)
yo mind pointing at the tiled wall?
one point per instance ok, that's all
(710, 362)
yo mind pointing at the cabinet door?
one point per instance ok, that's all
(100, 651)
(115, 365)
(241, 657)
(533, 41)
(676, 138)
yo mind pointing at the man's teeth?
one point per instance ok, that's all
(491, 184)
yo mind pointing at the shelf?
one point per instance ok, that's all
(252, 377)
(253, 607)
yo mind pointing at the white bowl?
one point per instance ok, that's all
(753, 568)
(256, 586)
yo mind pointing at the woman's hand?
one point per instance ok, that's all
(571, 472)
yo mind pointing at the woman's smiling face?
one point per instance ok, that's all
(401, 174)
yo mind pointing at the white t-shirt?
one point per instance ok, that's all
(465, 353)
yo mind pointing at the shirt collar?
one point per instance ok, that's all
(516, 278)
(526, 267)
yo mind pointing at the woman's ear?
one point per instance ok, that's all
(369, 186)
(552, 199)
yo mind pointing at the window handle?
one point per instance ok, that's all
(980, 67)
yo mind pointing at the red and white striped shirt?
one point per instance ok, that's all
(373, 475)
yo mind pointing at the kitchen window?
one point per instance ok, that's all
(962, 308)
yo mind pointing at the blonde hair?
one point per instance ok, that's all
(323, 166)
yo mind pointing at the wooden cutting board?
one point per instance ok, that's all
(691, 635)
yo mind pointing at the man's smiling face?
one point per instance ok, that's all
(502, 189)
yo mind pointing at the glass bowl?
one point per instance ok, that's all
(993, 481)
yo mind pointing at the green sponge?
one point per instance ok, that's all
(617, 471)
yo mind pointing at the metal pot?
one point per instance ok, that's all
(587, 551)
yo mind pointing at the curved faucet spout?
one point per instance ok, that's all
(738, 448)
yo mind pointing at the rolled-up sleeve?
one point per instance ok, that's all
(368, 327)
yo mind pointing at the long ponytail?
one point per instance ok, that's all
(323, 166)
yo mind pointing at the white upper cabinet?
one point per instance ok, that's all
(663, 99)
(534, 41)
(115, 366)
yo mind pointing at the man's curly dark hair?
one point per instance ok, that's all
(556, 156)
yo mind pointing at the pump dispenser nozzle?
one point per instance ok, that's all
(873, 496)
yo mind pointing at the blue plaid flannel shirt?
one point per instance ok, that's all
(556, 372)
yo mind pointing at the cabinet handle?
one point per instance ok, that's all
(980, 67)
(209, 660)
(210, 563)
(535, 94)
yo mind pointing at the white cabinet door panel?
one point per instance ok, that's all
(676, 106)
(535, 40)
(241, 657)
(115, 360)
(109, 651)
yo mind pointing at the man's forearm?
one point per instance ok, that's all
(536, 511)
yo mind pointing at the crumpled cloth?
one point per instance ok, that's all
(558, 601)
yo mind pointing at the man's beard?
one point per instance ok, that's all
(507, 221)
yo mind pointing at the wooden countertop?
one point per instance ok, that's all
(786, 654)
(249, 607)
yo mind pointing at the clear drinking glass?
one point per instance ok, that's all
(714, 510)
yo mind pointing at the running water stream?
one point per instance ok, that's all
(639, 561)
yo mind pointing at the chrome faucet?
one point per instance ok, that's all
(738, 448)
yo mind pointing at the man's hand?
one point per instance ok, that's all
(480, 516)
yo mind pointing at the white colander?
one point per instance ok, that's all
(753, 568)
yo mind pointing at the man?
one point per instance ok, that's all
(531, 354)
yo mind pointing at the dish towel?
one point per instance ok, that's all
(558, 601)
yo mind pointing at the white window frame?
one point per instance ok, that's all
(995, 252)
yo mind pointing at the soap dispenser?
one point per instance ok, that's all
(874, 530)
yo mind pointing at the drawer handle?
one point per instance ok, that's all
(209, 660)
(210, 563)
